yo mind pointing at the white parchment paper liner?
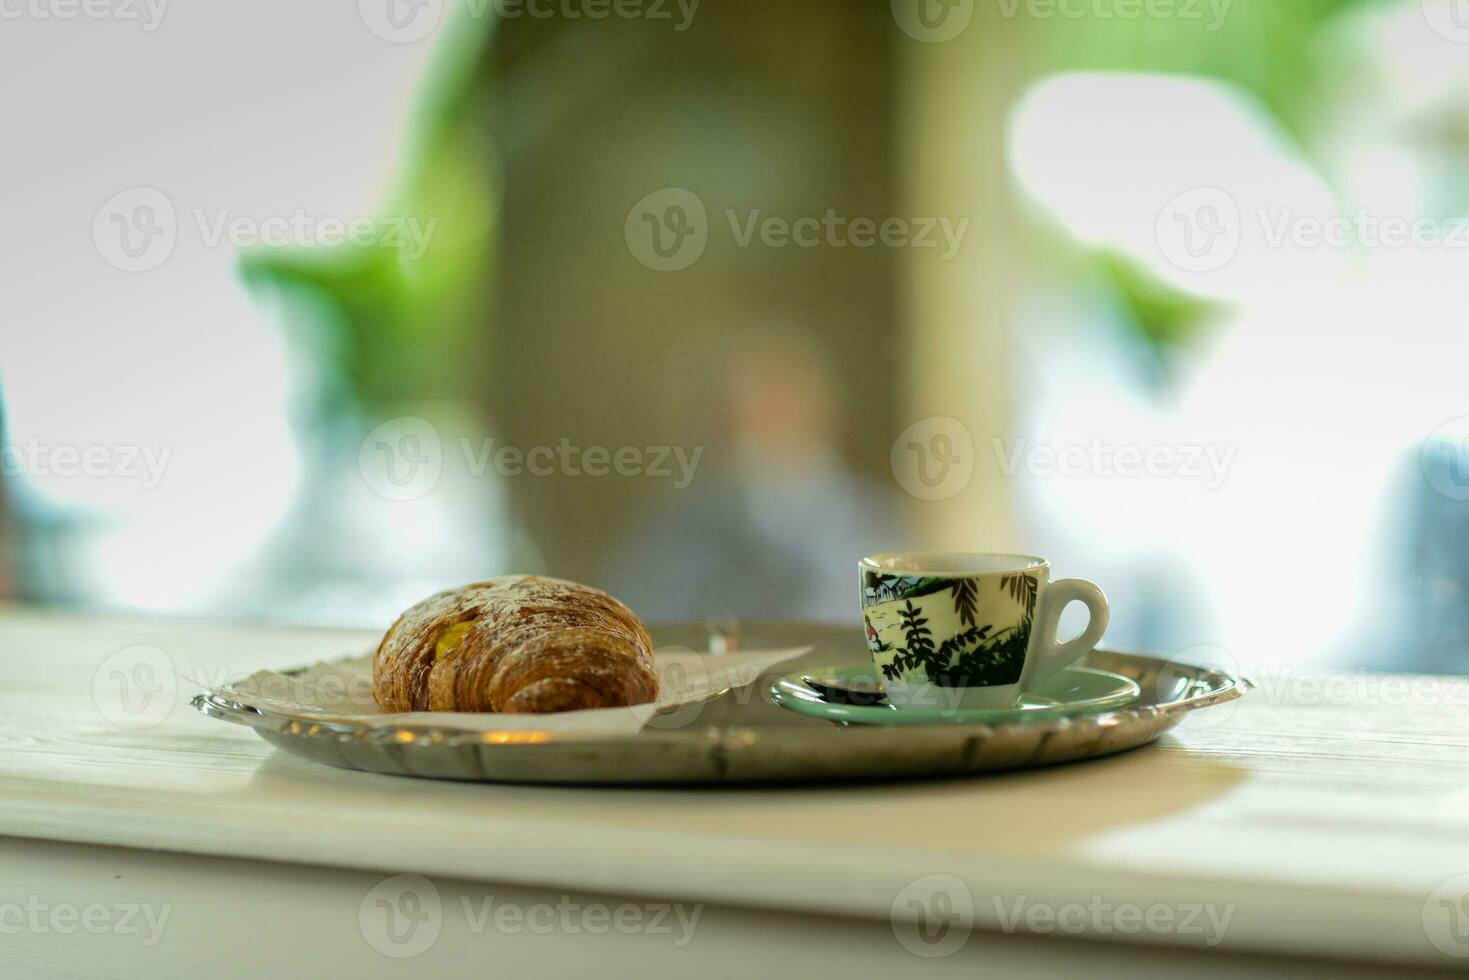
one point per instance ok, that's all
(341, 691)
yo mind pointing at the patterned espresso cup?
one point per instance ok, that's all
(950, 630)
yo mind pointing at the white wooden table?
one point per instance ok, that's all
(1321, 826)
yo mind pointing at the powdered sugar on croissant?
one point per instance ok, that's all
(519, 644)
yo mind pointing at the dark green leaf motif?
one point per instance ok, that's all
(998, 661)
(915, 629)
(965, 593)
(991, 660)
(1023, 589)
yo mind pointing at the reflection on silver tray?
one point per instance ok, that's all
(742, 737)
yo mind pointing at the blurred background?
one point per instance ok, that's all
(311, 309)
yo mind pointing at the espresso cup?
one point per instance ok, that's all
(957, 629)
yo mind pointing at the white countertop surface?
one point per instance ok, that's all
(1322, 818)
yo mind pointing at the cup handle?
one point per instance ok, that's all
(1051, 657)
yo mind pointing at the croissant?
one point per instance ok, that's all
(519, 644)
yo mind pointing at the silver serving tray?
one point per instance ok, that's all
(743, 737)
